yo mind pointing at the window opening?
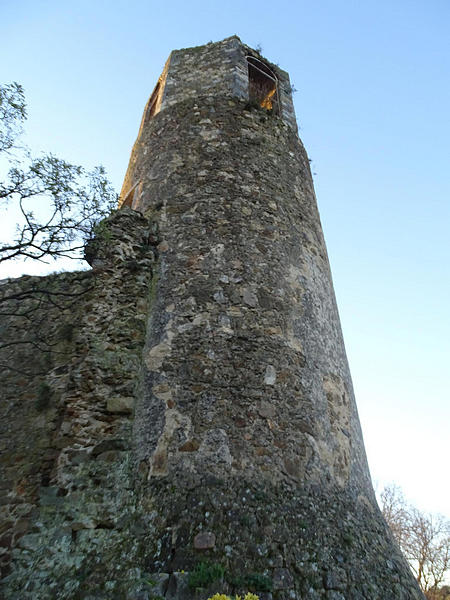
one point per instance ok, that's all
(262, 85)
(153, 102)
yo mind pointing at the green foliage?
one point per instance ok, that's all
(12, 114)
(43, 396)
(247, 596)
(150, 583)
(102, 232)
(205, 573)
(256, 582)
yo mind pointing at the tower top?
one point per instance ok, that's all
(216, 72)
(226, 68)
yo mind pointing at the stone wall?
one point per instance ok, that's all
(69, 381)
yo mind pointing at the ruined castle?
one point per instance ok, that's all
(184, 423)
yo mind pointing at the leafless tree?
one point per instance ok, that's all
(58, 203)
(423, 538)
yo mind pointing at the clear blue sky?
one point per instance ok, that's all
(373, 81)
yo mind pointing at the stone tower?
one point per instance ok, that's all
(202, 434)
(247, 434)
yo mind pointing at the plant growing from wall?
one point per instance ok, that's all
(256, 582)
(248, 596)
(204, 573)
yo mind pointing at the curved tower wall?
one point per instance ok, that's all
(245, 333)
(247, 439)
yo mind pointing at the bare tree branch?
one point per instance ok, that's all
(59, 203)
(423, 538)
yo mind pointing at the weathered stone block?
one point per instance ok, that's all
(204, 540)
(120, 404)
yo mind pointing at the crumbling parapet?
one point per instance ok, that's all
(67, 408)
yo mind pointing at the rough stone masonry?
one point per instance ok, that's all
(191, 427)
